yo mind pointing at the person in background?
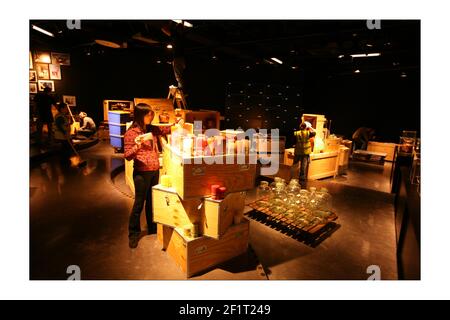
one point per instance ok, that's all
(44, 102)
(88, 126)
(144, 152)
(303, 149)
(176, 32)
(61, 132)
(361, 138)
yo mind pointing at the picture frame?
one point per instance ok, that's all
(46, 83)
(62, 59)
(70, 100)
(42, 57)
(42, 71)
(54, 71)
(31, 60)
(33, 76)
(33, 88)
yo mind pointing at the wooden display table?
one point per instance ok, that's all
(384, 147)
(322, 165)
(369, 156)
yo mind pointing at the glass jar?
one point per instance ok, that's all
(304, 198)
(263, 190)
(324, 200)
(313, 200)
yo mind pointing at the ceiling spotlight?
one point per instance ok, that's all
(365, 55)
(214, 57)
(48, 33)
(357, 71)
(169, 46)
(403, 75)
(277, 60)
(340, 56)
(185, 23)
(294, 67)
(158, 61)
(369, 45)
(108, 44)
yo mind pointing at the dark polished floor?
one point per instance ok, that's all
(79, 217)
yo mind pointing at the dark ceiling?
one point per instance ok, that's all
(325, 44)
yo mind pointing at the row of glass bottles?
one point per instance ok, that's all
(303, 206)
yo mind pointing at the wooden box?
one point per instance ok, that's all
(333, 144)
(218, 215)
(159, 106)
(213, 217)
(116, 105)
(170, 210)
(383, 147)
(323, 165)
(194, 255)
(194, 176)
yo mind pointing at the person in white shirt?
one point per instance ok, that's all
(88, 126)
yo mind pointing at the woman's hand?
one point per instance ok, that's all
(139, 141)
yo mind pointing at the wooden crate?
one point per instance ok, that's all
(159, 105)
(195, 180)
(283, 220)
(383, 147)
(170, 210)
(323, 165)
(218, 215)
(332, 144)
(214, 217)
(194, 255)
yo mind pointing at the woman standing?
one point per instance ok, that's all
(145, 154)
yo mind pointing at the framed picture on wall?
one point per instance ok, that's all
(42, 57)
(33, 76)
(42, 84)
(55, 71)
(70, 100)
(42, 71)
(62, 59)
(33, 87)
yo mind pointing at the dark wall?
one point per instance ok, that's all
(382, 100)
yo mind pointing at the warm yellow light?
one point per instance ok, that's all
(106, 43)
(319, 145)
(169, 46)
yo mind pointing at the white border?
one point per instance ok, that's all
(14, 161)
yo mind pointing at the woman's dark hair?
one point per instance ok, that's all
(140, 111)
(60, 106)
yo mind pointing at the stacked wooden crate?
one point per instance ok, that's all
(188, 205)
